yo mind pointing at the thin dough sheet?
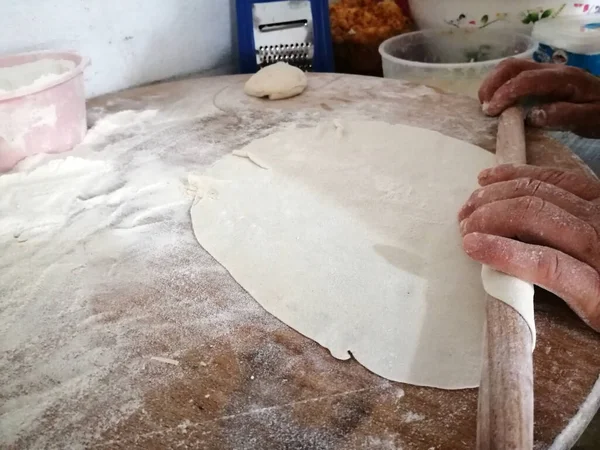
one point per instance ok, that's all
(348, 234)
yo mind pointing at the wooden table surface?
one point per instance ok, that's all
(257, 384)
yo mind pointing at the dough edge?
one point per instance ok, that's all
(516, 293)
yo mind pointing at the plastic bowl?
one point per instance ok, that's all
(455, 60)
(42, 118)
(516, 15)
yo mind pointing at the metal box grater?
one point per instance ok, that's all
(293, 31)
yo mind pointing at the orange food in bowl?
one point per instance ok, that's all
(365, 21)
(357, 29)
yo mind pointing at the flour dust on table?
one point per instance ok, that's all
(81, 299)
(351, 238)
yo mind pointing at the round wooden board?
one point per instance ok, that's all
(261, 385)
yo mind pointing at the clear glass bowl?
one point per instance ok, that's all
(454, 60)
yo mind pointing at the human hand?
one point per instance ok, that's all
(541, 225)
(571, 96)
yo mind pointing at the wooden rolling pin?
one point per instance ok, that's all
(505, 410)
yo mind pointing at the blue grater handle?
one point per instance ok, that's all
(247, 57)
(322, 31)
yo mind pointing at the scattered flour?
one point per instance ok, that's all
(71, 229)
(97, 260)
(173, 362)
(32, 75)
(410, 417)
(114, 122)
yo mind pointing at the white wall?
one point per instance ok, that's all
(129, 42)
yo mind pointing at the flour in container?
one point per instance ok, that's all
(16, 79)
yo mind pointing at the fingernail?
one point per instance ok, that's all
(537, 117)
(473, 243)
(470, 243)
(485, 174)
(490, 108)
(463, 225)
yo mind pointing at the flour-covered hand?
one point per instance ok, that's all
(541, 225)
(570, 97)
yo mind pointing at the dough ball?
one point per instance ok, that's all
(277, 81)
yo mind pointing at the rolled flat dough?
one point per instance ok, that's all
(351, 237)
(512, 291)
(277, 81)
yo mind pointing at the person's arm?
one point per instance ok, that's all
(570, 96)
(541, 225)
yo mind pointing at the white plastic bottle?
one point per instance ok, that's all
(574, 41)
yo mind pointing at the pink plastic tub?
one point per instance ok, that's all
(42, 118)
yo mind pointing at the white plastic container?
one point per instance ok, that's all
(453, 60)
(574, 41)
